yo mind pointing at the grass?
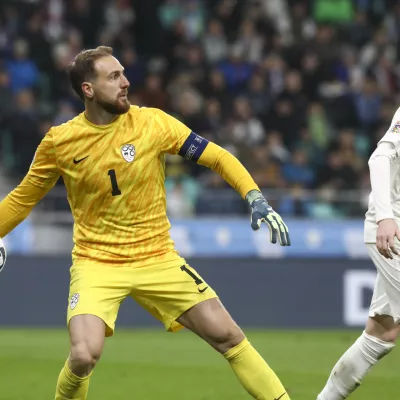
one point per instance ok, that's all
(155, 365)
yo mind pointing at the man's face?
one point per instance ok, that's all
(110, 87)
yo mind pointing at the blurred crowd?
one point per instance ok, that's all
(300, 91)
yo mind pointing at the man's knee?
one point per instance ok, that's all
(225, 339)
(384, 328)
(87, 339)
(389, 336)
(83, 358)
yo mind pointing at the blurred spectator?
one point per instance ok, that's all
(236, 70)
(282, 118)
(379, 45)
(194, 66)
(312, 75)
(273, 67)
(215, 87)
(258, 94)
(213, 120)
(23, 71)
(38, 44)
(278, 151)
(118, 15)
(249, 43)
(65, 113)
(246, 128)
(135, 69)
(153, 94)
(314, 149)
(318, 126)
(359, 31)
(23, 128)
(6, 105)
(340, 173)
(265, 169)
(303, 26)
(392, 23)
(215, 42)
(368, 103)
(80, 14)
(182, 191)
(295, 203)
(298, 171)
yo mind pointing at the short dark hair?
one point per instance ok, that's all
(82, 68)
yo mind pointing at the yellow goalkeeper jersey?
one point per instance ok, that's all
(114, 175)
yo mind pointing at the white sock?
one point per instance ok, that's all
(354, 365)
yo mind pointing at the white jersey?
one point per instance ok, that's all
(384, 200)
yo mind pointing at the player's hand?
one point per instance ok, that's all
(261, 211)
(387, 231)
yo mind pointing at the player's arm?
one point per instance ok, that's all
(387, 152)
(379, 167)
(234, 173)
(179, 139)
(42, 176)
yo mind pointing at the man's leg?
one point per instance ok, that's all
(379, 336)
(210, 320)
(87, 334)
(376, 341)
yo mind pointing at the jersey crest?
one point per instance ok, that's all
(128, 152)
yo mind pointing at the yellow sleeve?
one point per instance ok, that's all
(229, 167)
(42, 176)
(177, 138)
(44, 171)
(173, 132)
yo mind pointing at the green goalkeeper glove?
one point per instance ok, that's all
(261, 211)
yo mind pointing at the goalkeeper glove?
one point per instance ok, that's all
(261, 211)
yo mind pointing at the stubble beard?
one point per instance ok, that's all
(116, 108)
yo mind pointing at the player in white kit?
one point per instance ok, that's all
(381, 235)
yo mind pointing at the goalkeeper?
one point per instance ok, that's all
(112, 161)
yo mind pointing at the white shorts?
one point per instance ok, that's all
(386, 297)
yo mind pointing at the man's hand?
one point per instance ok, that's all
(261, 211)
(387, 230)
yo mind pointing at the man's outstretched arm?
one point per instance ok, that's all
(234, 173)
(177, 138)
(18, 204)
(41, 177)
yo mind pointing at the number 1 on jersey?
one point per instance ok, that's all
(114, 183)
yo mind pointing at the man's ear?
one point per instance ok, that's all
(87, 89)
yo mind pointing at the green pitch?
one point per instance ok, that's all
(155, 365)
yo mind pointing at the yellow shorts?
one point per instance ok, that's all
(166, 290)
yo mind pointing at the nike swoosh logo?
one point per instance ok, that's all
(203, 290)
(280, 396)
(78, 161)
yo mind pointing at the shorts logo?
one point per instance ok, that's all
(396, 128)
(74, 301)
(128, 152)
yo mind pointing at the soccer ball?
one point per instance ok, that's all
(3, 254)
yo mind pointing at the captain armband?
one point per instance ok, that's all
(193, 147)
